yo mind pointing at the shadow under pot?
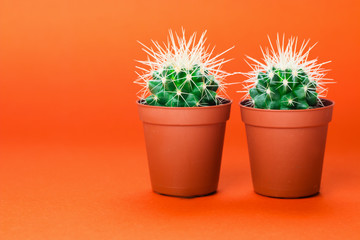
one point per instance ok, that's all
(286, 149)
(184, 147)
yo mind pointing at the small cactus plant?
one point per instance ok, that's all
(284, 89)
(287, 80)
(182, 74)
(182, 88)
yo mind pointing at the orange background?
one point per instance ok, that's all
(72, 157)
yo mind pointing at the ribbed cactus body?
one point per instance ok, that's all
(172, 87)
(284, 89)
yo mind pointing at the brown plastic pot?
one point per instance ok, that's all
(184, 147)
(286, 149)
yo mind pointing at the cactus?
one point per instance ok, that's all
(284, 89)
(184, 88)
(287, 80)
(182, 74)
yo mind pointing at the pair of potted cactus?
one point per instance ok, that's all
(184, 109)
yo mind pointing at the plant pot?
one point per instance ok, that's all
(184, 147)
(286, 149)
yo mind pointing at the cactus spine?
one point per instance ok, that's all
(182, 74)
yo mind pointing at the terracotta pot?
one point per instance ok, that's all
(184, 147)
(286, 149)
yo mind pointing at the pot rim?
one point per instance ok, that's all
(185, 108)
(332, 103)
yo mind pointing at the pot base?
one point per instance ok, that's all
(185, 192)
(192, 196)
(288, 197)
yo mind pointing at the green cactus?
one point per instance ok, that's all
(182, 73)
(184, 88)
(284, 89)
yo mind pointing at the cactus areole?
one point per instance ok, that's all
(181, 73)
(287, 80)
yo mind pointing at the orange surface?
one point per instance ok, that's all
(72, 155)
